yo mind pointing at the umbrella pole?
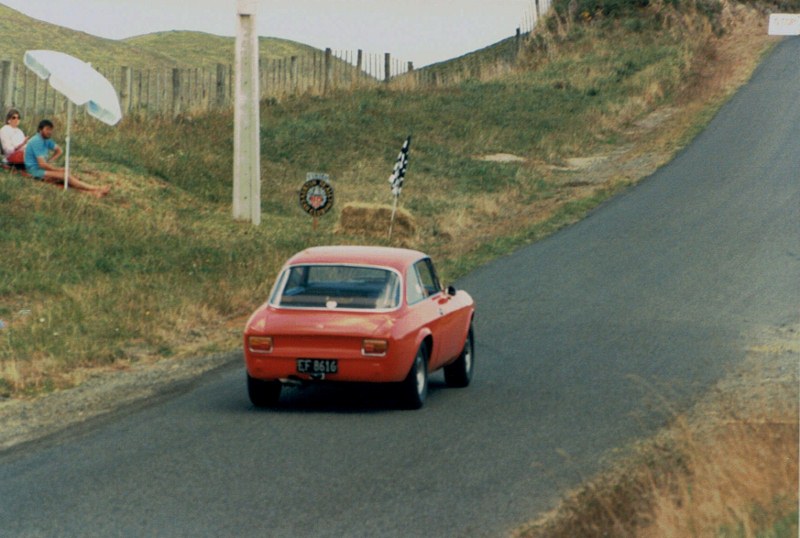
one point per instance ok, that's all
(69, 124)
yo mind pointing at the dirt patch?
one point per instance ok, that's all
(627, 163)
(501, 158)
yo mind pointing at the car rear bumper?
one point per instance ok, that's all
(363, 369)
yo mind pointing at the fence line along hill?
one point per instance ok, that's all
(183, 72)
(199, 49)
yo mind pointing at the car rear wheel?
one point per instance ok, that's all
(459, 373)
(263, 393)
(414, 388)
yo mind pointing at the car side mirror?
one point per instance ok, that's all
(451, 291)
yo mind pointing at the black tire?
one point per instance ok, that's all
(459, 373)
(263, 393)
(414, 388)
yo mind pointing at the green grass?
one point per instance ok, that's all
(198, 49)
(159, 267)
(525, 114)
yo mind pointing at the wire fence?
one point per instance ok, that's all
(180, 91)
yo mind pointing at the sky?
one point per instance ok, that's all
(420, 31)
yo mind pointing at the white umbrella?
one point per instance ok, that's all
(80, 83)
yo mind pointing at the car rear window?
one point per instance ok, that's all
(338, 286)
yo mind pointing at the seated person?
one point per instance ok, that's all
(41, 151)
(13, 140)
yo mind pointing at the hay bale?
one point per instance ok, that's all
(373, 220)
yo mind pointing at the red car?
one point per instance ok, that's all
(363, 314)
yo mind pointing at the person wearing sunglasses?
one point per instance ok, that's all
(13, 140)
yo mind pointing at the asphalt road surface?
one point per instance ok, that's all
(582, 340)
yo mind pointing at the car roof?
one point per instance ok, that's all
(394, 258)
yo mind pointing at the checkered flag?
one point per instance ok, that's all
(399, 172)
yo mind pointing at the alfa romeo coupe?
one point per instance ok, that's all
(359, 314)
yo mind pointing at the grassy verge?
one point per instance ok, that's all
(728, 468)
(158, 269)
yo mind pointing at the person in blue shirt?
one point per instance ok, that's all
(41, 150)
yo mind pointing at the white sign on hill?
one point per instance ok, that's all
(784, 24)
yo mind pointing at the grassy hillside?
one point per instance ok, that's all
(164, 49)
(200, 49)
(158, 268)
(20, 33)
(599, 98)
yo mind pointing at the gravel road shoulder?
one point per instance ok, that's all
(102, 395)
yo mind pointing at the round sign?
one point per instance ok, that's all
(316, 197)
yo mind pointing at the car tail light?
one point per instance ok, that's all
(260, 344)
(374, 347)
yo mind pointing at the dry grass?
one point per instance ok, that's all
(742, 477)
(131, 277)
(375, 221)
(731, 468)
(727, 468)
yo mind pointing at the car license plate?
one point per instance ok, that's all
(317, 366)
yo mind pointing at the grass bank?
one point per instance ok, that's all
(158, 269)
(728, 468)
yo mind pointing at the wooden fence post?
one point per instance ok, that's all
(262, 78)
(126, 84)
(35, 106)
(328, 71)
(46, 92)
(387, 67)
(7, 84)
(22, 89)
(148, 93)
(139, 88)
(220, 97)
(293, 84)
(192, 93)
(19, 91)
(158, 89)
(176, 92)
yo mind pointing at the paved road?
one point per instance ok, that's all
(580, 336)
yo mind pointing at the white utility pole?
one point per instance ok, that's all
(246, 121)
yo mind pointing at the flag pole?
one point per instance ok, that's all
(394, 210)
(396, 179)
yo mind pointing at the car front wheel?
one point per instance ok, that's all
(414, 388)
(263, 393)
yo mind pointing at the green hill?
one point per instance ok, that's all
(19, 33)
(201, 49)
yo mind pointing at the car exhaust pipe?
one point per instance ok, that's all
(292, 382)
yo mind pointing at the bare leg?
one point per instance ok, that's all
(57, 176)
